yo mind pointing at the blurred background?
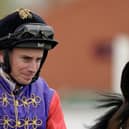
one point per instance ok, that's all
(93, 47)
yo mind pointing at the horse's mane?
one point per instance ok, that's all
(113, 101)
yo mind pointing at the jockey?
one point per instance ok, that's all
(26, 99)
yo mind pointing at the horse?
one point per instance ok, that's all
(117, 116)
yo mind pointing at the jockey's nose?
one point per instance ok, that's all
(33, 66)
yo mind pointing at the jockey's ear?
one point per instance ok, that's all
(125, 81)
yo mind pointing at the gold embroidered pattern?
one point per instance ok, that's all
(34, 100)
(36, 123)
(4, 99)
(24, 13)
(26, 123)
(7, 122)
(10, 123)
(16, 103)
(18, 123)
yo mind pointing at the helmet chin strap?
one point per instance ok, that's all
(45, 53)
(6, 66)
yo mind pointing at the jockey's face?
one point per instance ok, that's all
(24, 64)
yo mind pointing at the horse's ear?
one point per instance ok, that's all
(125, 82)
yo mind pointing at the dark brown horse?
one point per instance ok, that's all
(117, 117)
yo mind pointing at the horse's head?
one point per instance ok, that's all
(125, 82)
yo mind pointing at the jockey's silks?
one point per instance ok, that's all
(28, 108)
